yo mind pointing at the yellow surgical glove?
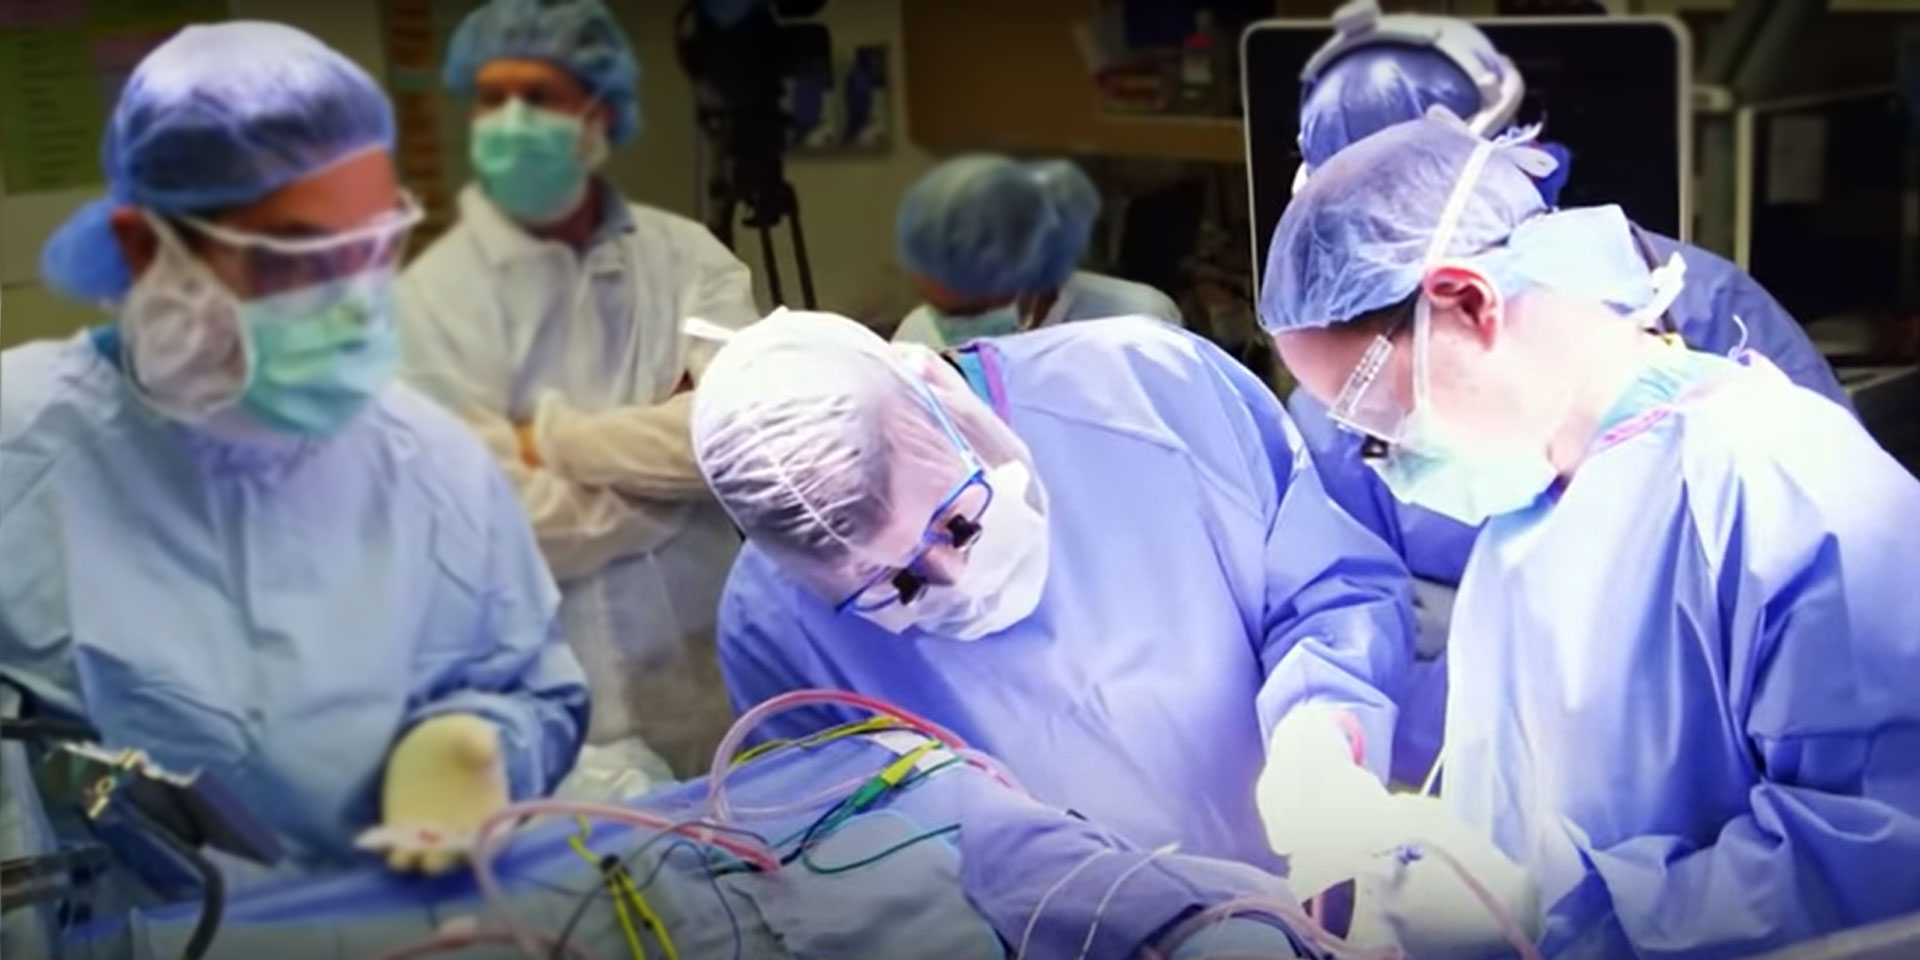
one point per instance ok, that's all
(446, 775)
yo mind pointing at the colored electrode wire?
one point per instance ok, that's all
(716, 807)
(484, 852)
(807, 861)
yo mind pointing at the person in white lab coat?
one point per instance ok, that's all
(991, 244)
(550, 317)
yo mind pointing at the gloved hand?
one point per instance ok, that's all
(446, 775)
(1413, 898)
(501, 438)
(527, 445)
(1320, 807)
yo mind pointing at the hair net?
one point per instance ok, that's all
(1077, 202)
(218, 116)
(1355, 238)
(816, 436)
(980, 225)
(1373, 88)
(579, 36)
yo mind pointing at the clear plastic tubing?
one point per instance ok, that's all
(716, 809)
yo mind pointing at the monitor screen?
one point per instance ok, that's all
(1822, 215)
(1628, 129)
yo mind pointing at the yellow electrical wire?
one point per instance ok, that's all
(634, 943)
(647, 915)
(869, 725)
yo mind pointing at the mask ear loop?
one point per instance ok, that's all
(1423, 323)
(1436, 251)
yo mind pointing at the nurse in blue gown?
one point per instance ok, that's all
(1095, 551)
(1377, 71)
(1683, 654)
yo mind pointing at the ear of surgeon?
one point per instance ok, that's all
(874, 475)
(1434, 320)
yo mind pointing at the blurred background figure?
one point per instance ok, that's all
(232, 541)
(992, 243)
(550, 318)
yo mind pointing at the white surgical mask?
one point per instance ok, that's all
(1005, 572)
(187, 352)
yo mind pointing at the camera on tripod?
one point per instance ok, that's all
(742, 58)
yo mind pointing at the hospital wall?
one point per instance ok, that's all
(847, 200)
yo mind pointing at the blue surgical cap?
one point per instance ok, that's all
(1077, 202)
(1355, 239)
(578, 36)
(1373, 88)
(218, 116)
(984, 225)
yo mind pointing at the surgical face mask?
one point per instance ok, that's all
(998, 322)
(1430, 466)
(1005, 572)
(534, 163)
(320, 354)
(301, 361)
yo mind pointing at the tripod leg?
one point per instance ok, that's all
(800, 261)
(771, 264)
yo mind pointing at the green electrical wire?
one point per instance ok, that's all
(806, 857)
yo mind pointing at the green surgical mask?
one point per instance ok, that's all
(534, 163)
(320, 355)
(959, 330)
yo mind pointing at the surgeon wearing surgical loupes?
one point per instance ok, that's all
(992, 242)
(1377, 71)
(232, 541)
(1095, 551)
(550, 318)
(1682, 654)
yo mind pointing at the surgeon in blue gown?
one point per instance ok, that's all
(1095, 551)
(1377, 71)
(1683, 653)
(231, 541)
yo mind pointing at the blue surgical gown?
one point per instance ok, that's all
(1201, 584)
(1684, 694)
(274, 614)
(1436, 547)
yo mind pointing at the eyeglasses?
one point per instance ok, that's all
(1365, 406)
(273, 265)
(954, 522)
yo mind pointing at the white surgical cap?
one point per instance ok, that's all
(817, 437)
